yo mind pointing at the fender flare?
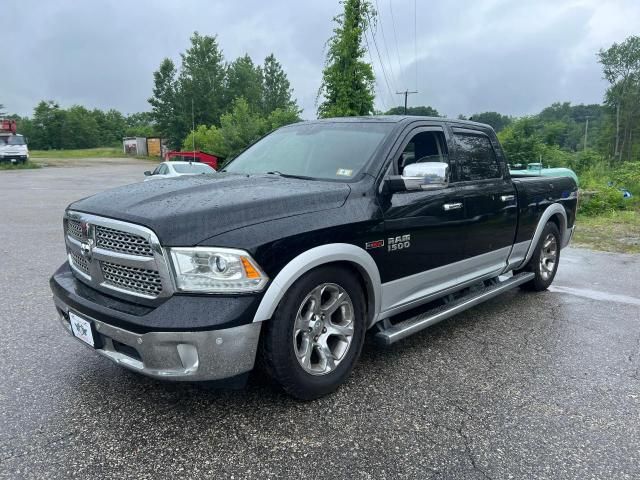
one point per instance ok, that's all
(550, 211)
(315, 257)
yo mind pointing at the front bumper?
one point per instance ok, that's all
(179, 356)
(187, 338)
(14, 158)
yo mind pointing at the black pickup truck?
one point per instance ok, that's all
(315, 234)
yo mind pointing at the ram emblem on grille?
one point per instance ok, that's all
(87, 248)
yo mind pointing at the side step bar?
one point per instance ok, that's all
(423, 320)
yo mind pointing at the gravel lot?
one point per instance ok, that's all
(525, 386)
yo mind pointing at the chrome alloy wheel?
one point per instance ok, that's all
(323, 329)
(548, 256)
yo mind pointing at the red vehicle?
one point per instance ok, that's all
(195, 156)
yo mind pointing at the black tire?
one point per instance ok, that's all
(544, 273)
(278, 345)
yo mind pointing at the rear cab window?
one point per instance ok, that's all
(475, 157)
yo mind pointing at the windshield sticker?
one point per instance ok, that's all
(344, 172)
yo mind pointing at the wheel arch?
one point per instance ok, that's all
(344, 254)
(554, 213)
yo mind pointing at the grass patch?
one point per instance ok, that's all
(18, 166)
(102, 152)
(617, 231)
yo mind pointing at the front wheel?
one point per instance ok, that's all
(315, 337)
(545, 259)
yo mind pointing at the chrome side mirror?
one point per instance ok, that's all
(425, 176)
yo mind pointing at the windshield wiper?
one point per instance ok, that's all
(287, 175)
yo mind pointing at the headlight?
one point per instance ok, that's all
(216, 270)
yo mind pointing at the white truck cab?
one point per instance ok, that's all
(13, 148)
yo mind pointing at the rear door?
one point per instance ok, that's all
(489, 198)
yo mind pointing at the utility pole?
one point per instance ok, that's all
(586, 132)
(193, 131)
(406, 93)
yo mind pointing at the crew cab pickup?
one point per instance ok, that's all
(313, 235)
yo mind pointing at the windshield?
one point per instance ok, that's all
(12, 140)
(333, 151)
(192, 168)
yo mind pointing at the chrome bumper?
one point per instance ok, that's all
(177, 356)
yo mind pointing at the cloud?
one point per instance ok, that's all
(511, 56)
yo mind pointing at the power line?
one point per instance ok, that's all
(395, 37)
(384, 105)
(386, 46)
(384, 72)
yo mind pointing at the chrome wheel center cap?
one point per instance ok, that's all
(317, 325)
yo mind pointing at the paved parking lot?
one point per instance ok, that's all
(525, 386)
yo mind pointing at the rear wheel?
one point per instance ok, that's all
(315, 337)
(545, 259)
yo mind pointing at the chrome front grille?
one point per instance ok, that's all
(74, 229)
(117, 257)
(79, 262)
(122, 242)
(137, 280)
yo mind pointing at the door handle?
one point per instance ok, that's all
(507, 198)
(452, 206)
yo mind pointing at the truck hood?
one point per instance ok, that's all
(186, 210)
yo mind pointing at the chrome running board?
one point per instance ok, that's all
(393, 333)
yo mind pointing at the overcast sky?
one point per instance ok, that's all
(511, 56)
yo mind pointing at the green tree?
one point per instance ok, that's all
(423, 111)
(111, 126)
(201, 81)
(495, 119)
(277, 92)
(521, 142)
(347, 86)
(281, 117)
(244, 79)
(141, 124)
(240, 127)
(207, 139)
(164, 103)
(48, 120)
(79, 129)
(621, 67)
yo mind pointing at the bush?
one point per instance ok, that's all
(628, 176)
(238, 129)
(602, 201)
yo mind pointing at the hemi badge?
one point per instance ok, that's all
(374, 244)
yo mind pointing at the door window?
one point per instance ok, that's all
(424, 147)
(475, 157)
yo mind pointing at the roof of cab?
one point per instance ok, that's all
(398, 119)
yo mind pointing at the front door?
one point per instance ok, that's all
(425, 231)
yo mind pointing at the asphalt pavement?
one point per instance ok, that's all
(526, 385)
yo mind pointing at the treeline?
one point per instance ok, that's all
(207, 90)
(53, 127)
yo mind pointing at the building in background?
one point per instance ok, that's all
(144, 147)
